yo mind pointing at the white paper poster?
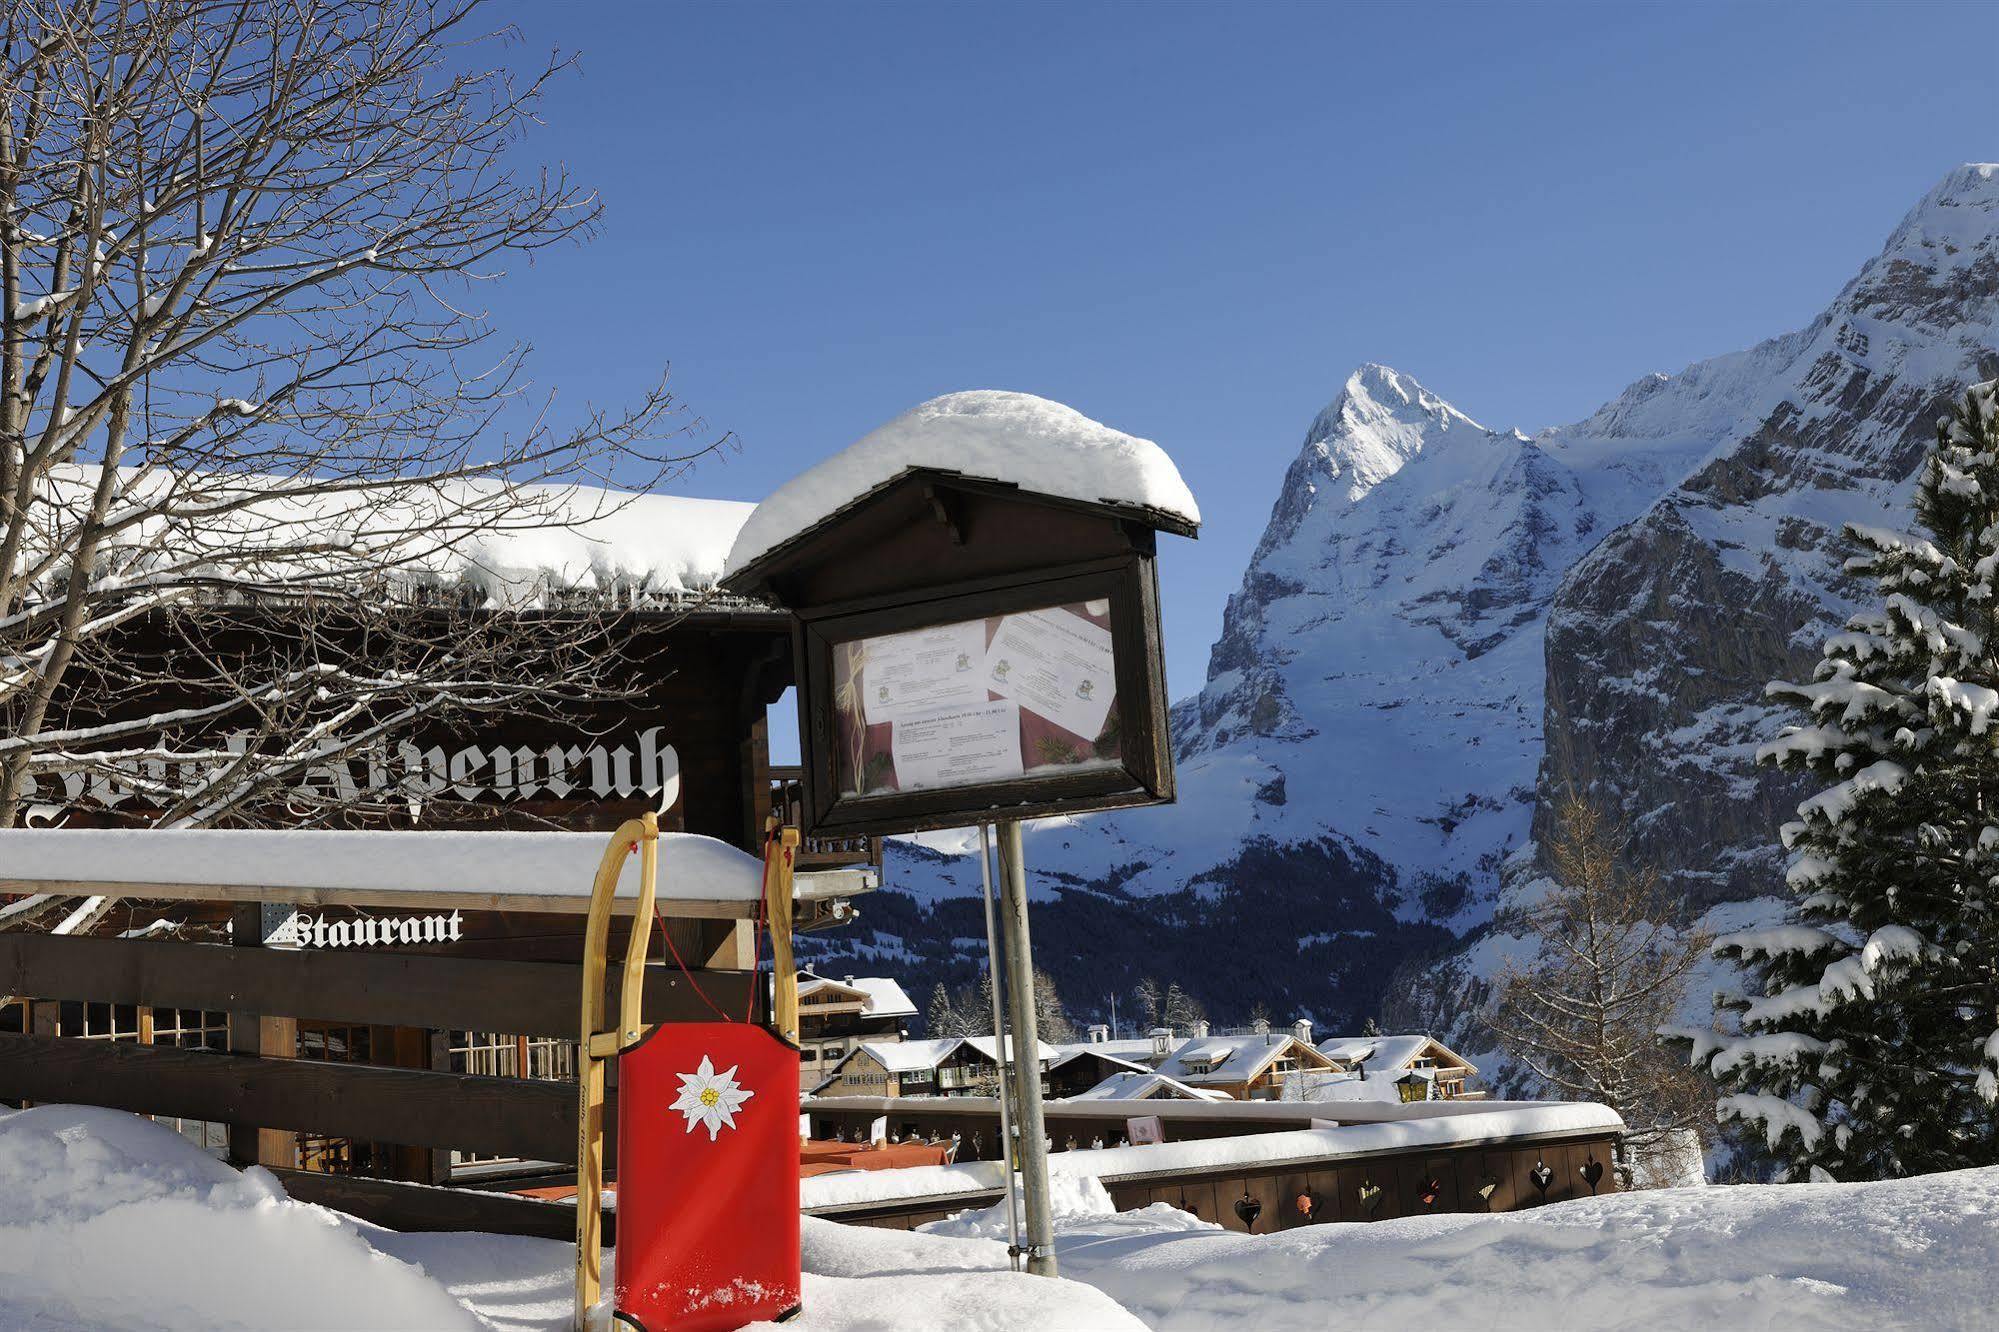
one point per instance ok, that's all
(923, 670)
(957, 746)
(1056, 663)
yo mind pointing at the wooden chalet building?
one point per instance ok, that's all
(835, 1016)
(701, 670)
(959, 1066)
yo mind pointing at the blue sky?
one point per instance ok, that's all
(1193, 222)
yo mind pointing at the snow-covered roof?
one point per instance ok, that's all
(1231, 1058)
(885, 998)
(476, 870)
(1064, 1054)
(1137, 1051)
(914, 1056)
(1044, 1053)
(1038, 445)
(521, 547)
(1379, 1052)
(880, 995)
(634, 547)
(1144, 1085)
(910, 1056)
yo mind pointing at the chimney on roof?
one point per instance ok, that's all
(1162, 1042)
(1198, 1029)
(1099, 1033)
(1261, 1026)
(848, 980)
(1302, 1029)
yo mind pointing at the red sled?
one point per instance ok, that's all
(707, 1179)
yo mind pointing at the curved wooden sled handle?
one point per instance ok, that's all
(596, 1043)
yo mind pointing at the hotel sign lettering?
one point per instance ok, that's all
(307, 931)
(606, 768)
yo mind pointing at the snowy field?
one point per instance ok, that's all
(108, 1221)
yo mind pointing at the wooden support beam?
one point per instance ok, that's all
(389, 989)
(503, 1116)
(778, 871)
(407, 1207)
(260, 1030)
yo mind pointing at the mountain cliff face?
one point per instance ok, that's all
(1662, 637)
(1442, 623)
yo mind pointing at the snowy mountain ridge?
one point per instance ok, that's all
(1442, 621)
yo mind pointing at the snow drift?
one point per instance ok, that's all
(112, 1221)
(1913, 1253)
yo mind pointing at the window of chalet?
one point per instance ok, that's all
(494, 1054)
(188, 1028)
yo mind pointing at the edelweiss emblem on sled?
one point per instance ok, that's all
(710, 1099)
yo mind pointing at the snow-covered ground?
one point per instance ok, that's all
(111, 1222)
(1904, 1254)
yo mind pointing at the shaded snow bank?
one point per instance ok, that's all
(111, 1221)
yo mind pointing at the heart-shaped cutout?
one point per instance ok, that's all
(1247, 1209)
(1487, 1186)
(1370, 1197)
(1432, 1190)
(1592, 1172)
(1306, 1204)
(1542, 1176)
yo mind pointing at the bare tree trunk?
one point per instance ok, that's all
(1585, 1016)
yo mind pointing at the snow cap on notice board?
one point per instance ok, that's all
(1041, 446)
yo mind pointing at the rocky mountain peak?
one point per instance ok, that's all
(1380, 420)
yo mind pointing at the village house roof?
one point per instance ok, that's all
(919, 1056)
(1388, 1053)
(1137, 1051)
(1045, 1053)
(879, 995)
(1145, 1085)
(1235, 1058)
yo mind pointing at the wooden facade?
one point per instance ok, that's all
(454, 1056)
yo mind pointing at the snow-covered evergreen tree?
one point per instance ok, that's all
(941, 1018)
(1873, 1050)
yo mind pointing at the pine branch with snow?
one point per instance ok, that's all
(1872, 1049)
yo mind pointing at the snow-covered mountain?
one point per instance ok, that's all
(1442, 621)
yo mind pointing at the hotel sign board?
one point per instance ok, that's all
(967, 651)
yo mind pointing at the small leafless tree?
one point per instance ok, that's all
(1584, 1015)
(249, 413)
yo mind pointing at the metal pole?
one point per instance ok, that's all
(1027, 1070)
(999, 1050)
